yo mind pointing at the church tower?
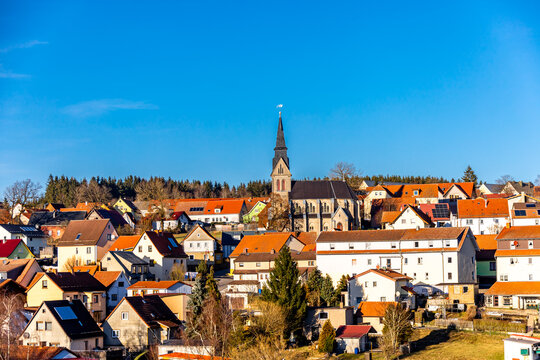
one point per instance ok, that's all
(281, 174)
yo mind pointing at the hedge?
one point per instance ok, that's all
(499, 325)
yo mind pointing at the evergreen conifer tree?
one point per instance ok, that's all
(285, 289)
(314, 287)
(199, 291)
(341, 287)
(469, 175)
(327, 291)
(212, 287)
(327, 338)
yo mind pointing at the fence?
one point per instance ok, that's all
(456, 323)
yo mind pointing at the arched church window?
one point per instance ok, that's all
(277, 185)
(283, 185)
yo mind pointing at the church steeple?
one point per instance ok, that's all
(280, 151)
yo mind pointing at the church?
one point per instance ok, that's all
(316, 205)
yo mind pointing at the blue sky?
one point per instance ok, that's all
(188, 89)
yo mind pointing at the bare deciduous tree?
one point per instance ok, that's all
(342, 171)
(11, 322)
(504, 179)
(24, 193)
(71, 262)
(93, 192)
(277, 216)
(397, 329)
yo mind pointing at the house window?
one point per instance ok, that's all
(530, 277)
(447, 243)
(403, 221)
(48, 326)
(95, 299)
(108, 236)
(420, 261)
(125, 315)
(114, 297)
(332, 246)
(366, 284)
(353, 261)
(530, 261)
(368, 246)
(258, 264)
(469, 222)
(430, 244)
(383, 298)
(507, 300)
(358, 299)
(369, 261)
(492, 266)
(57, 232)
(40, 325)
(374, 284)
(449, 276)
(240, 264)
(85, 299)
(115, 334)
(406, 261)
(351, 246)
(449, 260)
(44, 284)
(503, 277)
(530, 244)
(415, 192)
(149, 248)
(323, 315)
(388, 262)
(88, 250)
(311, 263)
(427, 276)
(140, 248)
(393, 245)
(416, 244)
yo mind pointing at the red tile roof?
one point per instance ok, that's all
(187, 356)
(353, 331)
(107, 278)
(224, 206)
(389, 274)
(8, 246)
(155, 284)
(482, 208)
(261, 243)
(165, 244)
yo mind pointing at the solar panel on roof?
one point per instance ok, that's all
(65, 313)
(530, 205)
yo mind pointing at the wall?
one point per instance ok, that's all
(133, 331)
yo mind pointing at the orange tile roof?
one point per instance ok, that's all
(91, 269)
(390, 274)
(389, 216)
(107, 277)
(519, 232)
(71, 209)
(482, 208)
(36, 278)
(385, 251)
(125, 242)
(373, 308)
(261, 243)
(225, 206)
(486, 242)
(187, 356)
(165, 284)
(467, 187)
(515, 288)
(516, 252)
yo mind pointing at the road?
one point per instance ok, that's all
(223, 279)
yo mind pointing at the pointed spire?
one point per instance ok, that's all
(280, 151)
(280, 138)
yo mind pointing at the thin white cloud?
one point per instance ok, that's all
(24, 45)
(8, 74)
(103, 106)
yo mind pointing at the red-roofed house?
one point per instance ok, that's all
(162, 252)
(372, 313)
(116, 283)
(221, 211)
(381, 285)
(14, 249)
(353, 338)
(409, 218)
(159, 287)
(178, 219)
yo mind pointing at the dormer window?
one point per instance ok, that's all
(530, 245)
(217, 211)
(415, 192)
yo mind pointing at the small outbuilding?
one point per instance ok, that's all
(353, 338)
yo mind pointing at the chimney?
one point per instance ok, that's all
(273, 251)
(245, 250)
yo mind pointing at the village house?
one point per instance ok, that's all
(21, 271)
(524, 214)
(139, 321)
(177, 220)
(483, 216)
(353, 339)
(317, 316)
(116, 218)
(63, 323)
(520, 346)
(489, 189)
(200, 245)
(439, 214)
(177, 303)
(14, 249)
(372, 313)
(222, 211)
(159, 287)
(33, 238)
(116, 284)
(518, 261)
(486, 266)
(381, 285)
(125, 206)
(518, 187)
(409, 218)
(162, 252)
(429, 256)
(254, 208)
(85, 242)
(134, 268)
(125, 243)
(68, 286)
(54, 223)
